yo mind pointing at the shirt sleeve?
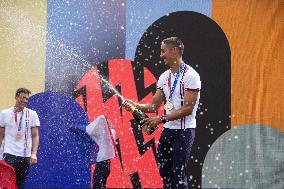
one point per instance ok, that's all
(35, 119)
(2, 124)
(160, 82)
(192, 81)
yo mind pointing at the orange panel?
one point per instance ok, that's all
(255, 30)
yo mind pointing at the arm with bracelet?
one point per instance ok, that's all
(150, 107)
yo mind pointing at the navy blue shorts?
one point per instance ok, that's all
(101, 173)
(173, 153)
(21, 166)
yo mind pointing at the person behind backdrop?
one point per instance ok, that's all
(19, 126)
(102, 132)
(180, 85)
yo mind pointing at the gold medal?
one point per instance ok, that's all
(18, 136)
(168, 106)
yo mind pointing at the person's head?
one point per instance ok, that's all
(171, 50)
(22, 96)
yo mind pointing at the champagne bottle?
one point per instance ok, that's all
(139, 116)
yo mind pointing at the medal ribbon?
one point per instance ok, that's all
(112, 138)
(16, 120)
(172, 89)
(26, 131)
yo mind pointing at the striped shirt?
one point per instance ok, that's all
(188, 79)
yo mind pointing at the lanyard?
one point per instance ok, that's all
(16, 120)
(111, 136)
(26, 131)
(18, 136)
(172, 89)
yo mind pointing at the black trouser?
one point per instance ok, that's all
(173, 153)
(21, 166)
(101, 173)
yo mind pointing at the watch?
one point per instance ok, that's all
(164, 119)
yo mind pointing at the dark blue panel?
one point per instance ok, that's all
(207, 50)
(64, 156)
(81, 34)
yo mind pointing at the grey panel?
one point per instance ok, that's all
(248, 156)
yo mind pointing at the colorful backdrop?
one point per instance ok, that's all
(57, 49)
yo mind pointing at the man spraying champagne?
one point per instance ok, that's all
(180, 85)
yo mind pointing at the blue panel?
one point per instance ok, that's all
(64, 155)
(141, 14)
(79, 35)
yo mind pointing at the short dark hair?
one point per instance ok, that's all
(174, 42)
(22, 90)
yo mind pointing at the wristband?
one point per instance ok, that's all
(164, 119)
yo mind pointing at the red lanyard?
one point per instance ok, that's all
(169, 81)
(112, 139)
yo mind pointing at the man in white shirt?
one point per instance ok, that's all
(180, 85)
(19, 134)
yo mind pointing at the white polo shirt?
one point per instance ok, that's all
(105, 138)
(189, 79)
(23, 145)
